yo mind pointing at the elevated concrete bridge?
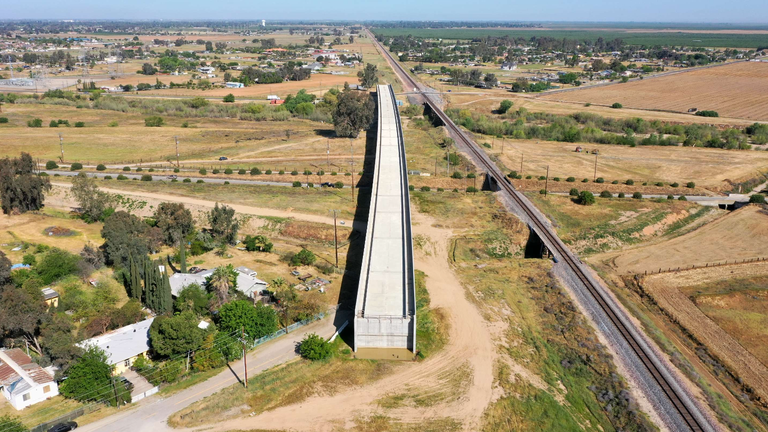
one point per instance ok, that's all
(385, 310)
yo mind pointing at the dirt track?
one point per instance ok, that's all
(470, 342)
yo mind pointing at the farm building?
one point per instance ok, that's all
(123, 346)
(24, 383)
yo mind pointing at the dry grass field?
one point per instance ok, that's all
(708, 168)
(15, 230)
(734, 331)
(738, 90)
(742, 234)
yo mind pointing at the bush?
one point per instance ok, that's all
(615, 182)
(228, 171)
(472, 189)
(471, 175)
(122, 177)
(297, 184)
(586, 198)
(757, 199)
(151, 170)
(512, 174)
(707, 113)
(557, 179)
(241, 171)
(107, 177)
(51, 165)
(675, 184)
(670, 197)
(425, 189)
(599, 180)
(146, 177)
(139, 169)
(629, 182)
(229, 98)
(294, 172)
(76, 166)
(543, 192)
(187, 180)
(215, 171)
(307, 172)
(3, 119)
(303, 257)
(659, 184)
(586, 180)
(281, 172)
(43, 174)
(617, 105)
(570, 179)
(504, 106)
(226, 182)
(573, 192)
(528, 177)
(542, 177)
(621, 195)
(79, 124)
(255, 171)
(200, 181)
(153, 121)
(690, 185)
(333, 173)
(682, 198)
(100, 167)
(310, 185)
(637, 195)
(35, 123)
(53, 123)
(268, 172)
(340, 185)
(313, 347)
(457, 175)
(126, 169)
(113, 123)
(411, 188)
(606, 194)
(203, 171)
(440, 189)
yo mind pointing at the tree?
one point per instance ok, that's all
(209, 46)
(175, 222)
(56, 264)
(757, 199)
(148, 69)
(258, 243)
(229, 98)
(221, 284)
(368, 76)
(23, 312)
(90, 379)
(303, 257)
(5, 270)
(91, 200)
(11, 424)
(21, 190)
(192, 298)
(313, 347)
(223, 223)
(124, 235)
(153, 121)
(257, 321)
(586, 198)
(135, 290)
(504, 106)
(176, 335)
(353, 113)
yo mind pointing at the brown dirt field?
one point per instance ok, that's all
(663, 288)
(708, 168)
(742, 234)
(738, 90)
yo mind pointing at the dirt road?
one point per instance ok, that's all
(470, 346)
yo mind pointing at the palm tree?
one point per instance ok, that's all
(220, 282)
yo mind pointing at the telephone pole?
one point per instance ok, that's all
(61, 145)
(335, 238)
(328, 154)
(522, 156)
(546, 182)
(177, 151)
(595, 176)
(352, 168)
(245, 358)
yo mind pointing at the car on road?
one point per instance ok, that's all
(326, 184)
(172, 177)
(63, 427)
(223, 158)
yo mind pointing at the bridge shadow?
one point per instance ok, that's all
(354, 258)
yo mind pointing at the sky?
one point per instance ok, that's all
(689, 11)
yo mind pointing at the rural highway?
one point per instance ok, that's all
(646, 367)
(151, 414)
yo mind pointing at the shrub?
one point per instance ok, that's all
(228, 171)
(200, 181)
(229, 98)
(107, 177)
(333, 173)
(425, 189)
(310, 185)
(153, 121)
(139, 169)
(757, 199)
(615, 182)
(472, 189)
(528, 177)
(43, 174)
(321, 172)
(570, 179)
(307, 172)
(542, 177)
(573, 192)
(3, 119)
(303, 257)
(146, 177)
(51, 165)
(629, 182)
(281, 172)
(670, 197)
(682, 198)
(340, 185)
(203, 171)
(35, 123)
(557, 179)
(176, 170)
(621, 195)
(606, 194)
(617, 105)
(512, 174)
(79, 124)
(76, 166)
(455, 190)
(599, 180)
(297, 184)
(440, 189)
(659, 184)
(457, 175)
(504, 106)
(113, 123)
(586, 180)
(255, 171)
(187, 180)
(268, 172)
(53, 123)
(294, 172)
(471, 175)
(707, 113)
(126, 169)
(690, 185)
(151, 170)
(411, 188)
(675, 184)
(637, 195)
(226, 182)
(586, 198)
(240, 171)
(100, 167)
(543, 192)
(215, 171)
(122, 177)
(313, 347)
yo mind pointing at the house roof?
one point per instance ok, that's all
(123, 343)
(18, 373)
(247, 282)
(49, 293)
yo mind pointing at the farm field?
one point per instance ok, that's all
(738, 90)
(709, 168)
(735, 332)
(742, 234)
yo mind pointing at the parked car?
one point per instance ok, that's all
(172, 177)
(63, 427)
(326, 184)
(223, 158)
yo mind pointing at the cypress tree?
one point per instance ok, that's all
(183, 255)
(135, 280)
(165, 295)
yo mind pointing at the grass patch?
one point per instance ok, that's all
(431, 331)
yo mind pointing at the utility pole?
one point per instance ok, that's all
(177, 151)
(328, 154)
(502, 145)
(522, 156)
(335, 238)
(546, 182)
(245, 359)
(61, 145)
(352, 168)
(435, 166)
(595, 176)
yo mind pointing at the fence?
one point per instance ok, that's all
(708, 265)
(43, 427)
(293, 327)
(147, 393)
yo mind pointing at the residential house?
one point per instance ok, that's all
(123, 346)
(51, 297)
(247, 282)
(23, 382)
(206, 70)
(273, 97)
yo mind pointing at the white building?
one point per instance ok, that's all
(247, 282)
(234, 85)
(206, 70)
(24, 383)
(123, 346)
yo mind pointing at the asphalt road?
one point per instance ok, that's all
(164, 177)
(151, 414)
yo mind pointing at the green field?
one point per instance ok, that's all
(715, 40)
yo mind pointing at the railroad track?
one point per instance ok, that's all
(678, 398)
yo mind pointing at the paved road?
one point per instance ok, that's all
(164, 177)
(151, 414)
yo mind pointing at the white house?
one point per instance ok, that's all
(247, 282)
(123, 346)
(206, 70)
(234, 85)
(508, 66)
(24, 383)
